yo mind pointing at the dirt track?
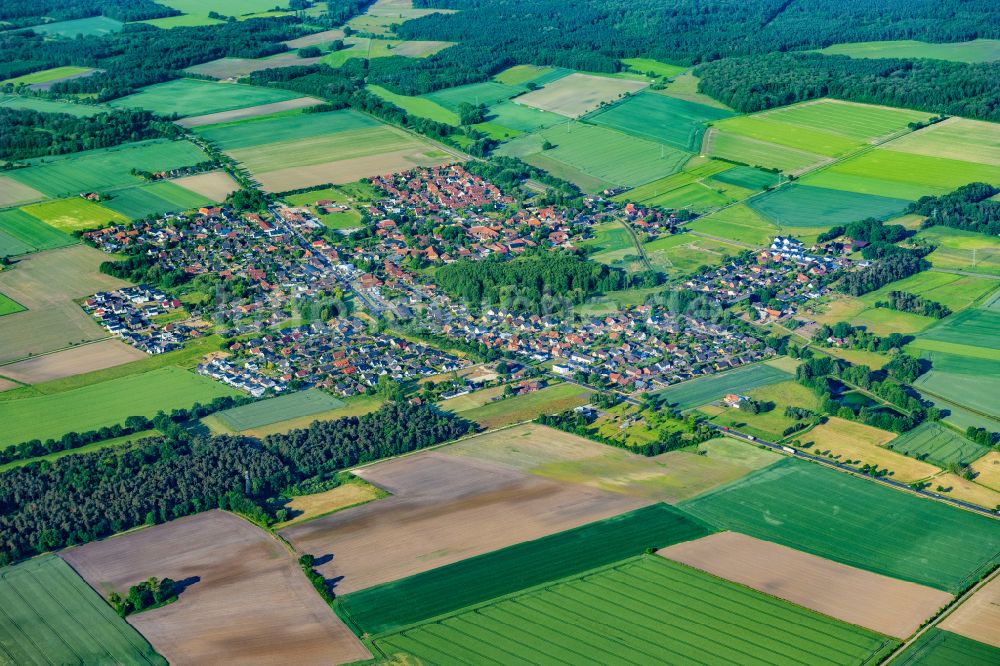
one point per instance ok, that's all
(248, 603)
(887, 605)
(444, 509)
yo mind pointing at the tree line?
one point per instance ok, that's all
(968, 208)
(882, 272)
(857, 337)
(24, 13)
(904, 301)
(578, 423)
(83, 497)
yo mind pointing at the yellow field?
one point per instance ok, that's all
(967, 491)
(988, 470)
(306, 507)
(850, 441)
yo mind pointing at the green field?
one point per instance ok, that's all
(106, 168)
(676, 122)
(9, 306)
(752, 152)
(803, 206)
(956, 291)
(702, 390)
(739, 223)
(224, 7)
(194, 97)
(599, 152)
(978, 50)
(682, 254)
(49, 615)
(650, 66)
(155, 199)
(21, 233)
(104, 404)
(46, 75)
(260, 131)
(956, 138)
(74, 214)
(487, 93)
(857, 522)
(49, 106)
(903, 175)
(938, 445)
(975, 327)
(417, 106)
(647, 610)
(661, 186)
(521, 74)
(748, 177)
(944, 648)
(273, 410)
(530, 406)
(391, 606)
(611, 243)
(182, 21)
(522, 118)
(961, 250)
(698, 197)
(95, 25)
(766, 127)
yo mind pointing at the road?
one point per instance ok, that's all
(850, 470)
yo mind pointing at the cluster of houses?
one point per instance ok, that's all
(786, 273)
(130, 313)
(341, 356)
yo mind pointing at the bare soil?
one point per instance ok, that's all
(246, 600)
(316, 38)
(248, 112)
(887, 605)
(215, 185)
(979, 617)
(74, 361)
(350, 170)
(444, 509)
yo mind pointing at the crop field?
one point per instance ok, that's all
(444, 509)
(155, 199)
(224, 7)
(971, 381)
(13, 192)
(214, 185)
(521, 118)
(600, 153)
(549, 400)
(48, 75)
(106, 168)
(578, 94)
(9, 306)
(94, 25)
(50, 106)
(803, 206)
(956, 138)
(978, 618)
(886, 605)
(956, 291)
(21, 233)
(858, 444)
(560, 456)
(521, 75)
(353, 492)
(49, 615)
(944, 648)
(73, 361)
(417, 106)
(829, 513)
(672, 121)
(903, 175)
(645, 610)
(702, 390)
(105, 404)
(266, 412)
(977, 50)
(739, 223)
(975, 327)
(664, 186)
(47, 284)
(748, 177)
(487, 93)
(961, 250)
(74, 214)
(699, 197)
(251, 133)
(245, 600)
(655, 67)
(288, 107)
(937, 444)
(195, 97)
(447, 589)
(756, 153)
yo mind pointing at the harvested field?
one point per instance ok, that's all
(352, 493)
(216, 185)
(960, 488)
(860, 444)
(578, 94)
(830, 514)
(447, 589)
(978, 617)
(46, 285)
(69, 362)
(561, 456)
(248, 112)
(316, 38)
(444, 509)
(643, 610)
(246, 601)
(352, 169)
(13, 192)
(943, 648)
(236, 68)
(987, 470)
(48, 615)
(886, 605)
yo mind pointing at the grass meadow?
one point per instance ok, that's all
(676, 122)
(50, 106)
(21, 233)
(94, 25)
(48, 614)
(47, 75)
(417, 106)
(74, 214)
(281, 408)
(195, 97)
(702, 390)
(488, 93)
(739, 223)
(681, 254)
(829, 513)
(968, 251)
(155, 199)
(260, 131)
(529, 406)
(644, 610)
(447, 589)
(9, 306)
(803, 206)
(977, 50)
(104, 404)
(753, 152)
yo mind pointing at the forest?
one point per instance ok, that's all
(25, 133)
(904, 301)
(24, 13)
(751, 84)
(87, 496)
(968, 208)
(879, 273)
